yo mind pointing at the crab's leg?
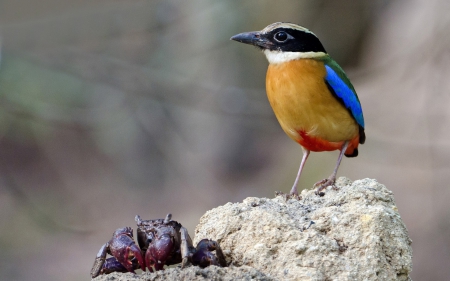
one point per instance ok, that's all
(99, 260)
(204, 257)
(219, 254)
(113, 265)
(186, 244)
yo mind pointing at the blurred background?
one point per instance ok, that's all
(112, 108)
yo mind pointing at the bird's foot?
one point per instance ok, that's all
(321, 185)
(288, 196)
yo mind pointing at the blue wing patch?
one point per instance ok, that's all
(345, 94)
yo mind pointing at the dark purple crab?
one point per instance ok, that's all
(162, 242)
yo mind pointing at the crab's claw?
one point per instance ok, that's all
(124, 249)
(127, 255)
(204, 257)
(138, 255)
(159, 252)
(106, 266)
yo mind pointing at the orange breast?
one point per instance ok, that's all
(305, 108)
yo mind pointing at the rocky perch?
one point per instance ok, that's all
(353, 233)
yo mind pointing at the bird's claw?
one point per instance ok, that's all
(321, 185)
(287, 196)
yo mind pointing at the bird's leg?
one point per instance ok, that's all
(331, 179)
(294, 191)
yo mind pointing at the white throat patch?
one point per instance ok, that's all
(280, 57)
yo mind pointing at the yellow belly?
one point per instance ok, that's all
(302, 102)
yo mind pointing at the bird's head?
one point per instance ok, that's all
(282, 41)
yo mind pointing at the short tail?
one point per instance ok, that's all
(352, 150)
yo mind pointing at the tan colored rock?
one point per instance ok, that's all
(353, 233)
(191, 273)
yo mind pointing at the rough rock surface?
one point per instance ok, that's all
(191, 273)
(353, 233)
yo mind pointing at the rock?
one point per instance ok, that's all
(191, 273)
(353, 233)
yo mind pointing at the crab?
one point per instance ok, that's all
(162, 242)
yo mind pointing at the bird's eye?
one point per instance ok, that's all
(281, 36)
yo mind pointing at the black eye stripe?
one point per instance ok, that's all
(296, 41)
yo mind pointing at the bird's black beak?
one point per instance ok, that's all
(251, 38)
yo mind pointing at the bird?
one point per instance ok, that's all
(310, 94)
